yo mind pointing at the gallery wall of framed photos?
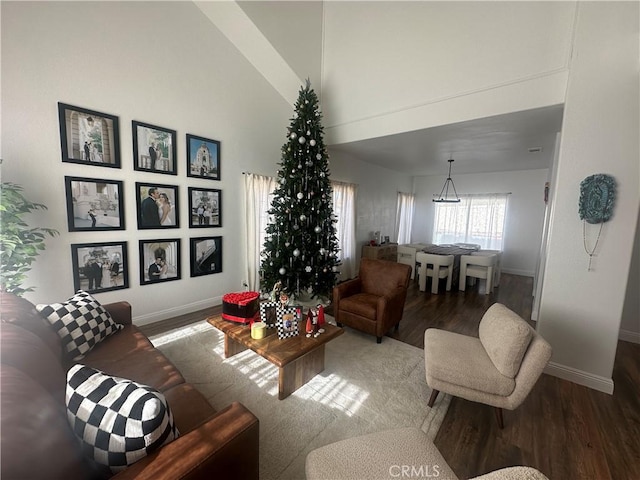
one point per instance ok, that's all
(93, 204)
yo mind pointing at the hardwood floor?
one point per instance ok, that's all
(563, 429)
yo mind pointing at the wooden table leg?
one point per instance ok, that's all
(231, 347)
(295, 374)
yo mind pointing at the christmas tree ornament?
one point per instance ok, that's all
(317, 229)
(282, 271)
(308, 133)
(308, 269)
(302, 140)
(296, 253)
(312, 142)
(303, 217)
(294, 135)
(300, 196)
(318, 157)
(286, 244)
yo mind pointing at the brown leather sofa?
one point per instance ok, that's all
(374, 301)
(36, 440)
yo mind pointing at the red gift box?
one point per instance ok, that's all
(241, 307)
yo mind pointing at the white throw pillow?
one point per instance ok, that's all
(117, 421)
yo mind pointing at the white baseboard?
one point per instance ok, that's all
(177, 311)
(629, 336)
(590, 380)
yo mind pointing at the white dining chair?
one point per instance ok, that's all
(407, 255)
(436, 267)
(498, 270)
(477, 266)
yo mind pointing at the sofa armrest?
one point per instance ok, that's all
(390, 307)
(120, 312)
(225, 446)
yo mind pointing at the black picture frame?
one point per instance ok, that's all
(287, 323)
(89, 137)
(203, 157)
(100, 267)
(206, 255)
(148, 194)
(149, 141)
(166, 249)
(205, 207)
(94, 204)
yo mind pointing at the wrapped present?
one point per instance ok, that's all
(241, 307)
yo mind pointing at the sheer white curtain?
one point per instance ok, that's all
(258, 195)
(404, 217)
(344, 208)
(476, 219)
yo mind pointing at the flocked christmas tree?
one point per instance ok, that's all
(301, 248)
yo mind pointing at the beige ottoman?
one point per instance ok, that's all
(391, 454)
(394, 454)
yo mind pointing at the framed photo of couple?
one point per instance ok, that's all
(205, 207)
(94, 204)
(157, 206)
(154, 149)
(159, 260)
(100, 267)
(89, 137)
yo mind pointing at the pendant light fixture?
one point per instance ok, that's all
(444, 194)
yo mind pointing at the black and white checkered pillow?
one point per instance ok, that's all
(81, 323)
(117, 421)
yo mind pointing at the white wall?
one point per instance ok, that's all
(376, 198)
(396, 66)
(523, 228)
(630, 324)
(581, 310)
(158, 62)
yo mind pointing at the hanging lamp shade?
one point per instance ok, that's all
(445, 196)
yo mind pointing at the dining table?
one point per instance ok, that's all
(449, 249)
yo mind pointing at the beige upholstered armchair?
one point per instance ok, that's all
(499, 368)
(374, 301)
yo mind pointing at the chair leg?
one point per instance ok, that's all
(378, 339)
(432, 398)
(498, 412)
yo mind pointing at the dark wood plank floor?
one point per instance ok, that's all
(563, 429)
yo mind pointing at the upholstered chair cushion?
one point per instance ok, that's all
(470, 366)
(505, 337)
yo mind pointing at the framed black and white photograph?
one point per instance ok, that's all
(154, 149)
(205, 207)
(206, 255)
(89, 137)
(203, 157)
(269, 313)
(94, 204)
(100, 267)
(159, 260)
(287, 323)
(157, 206)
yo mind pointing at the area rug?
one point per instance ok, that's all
(366, 387)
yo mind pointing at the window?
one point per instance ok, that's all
(476, 219)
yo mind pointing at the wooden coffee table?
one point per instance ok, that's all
(298, 359)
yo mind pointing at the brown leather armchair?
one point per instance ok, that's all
(374, 301)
